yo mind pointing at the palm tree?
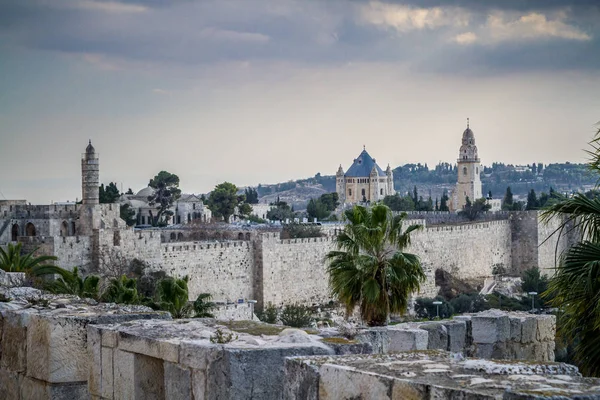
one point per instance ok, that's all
(575, 287)
(71, 283)
(369, 267)
(203, 306)
(11, 260)
(121, 290)
(173, 297)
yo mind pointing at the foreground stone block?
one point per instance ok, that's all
(431, 375)
(44, 345)
(490, 327)
(157, 359)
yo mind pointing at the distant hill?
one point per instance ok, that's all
(562, 177)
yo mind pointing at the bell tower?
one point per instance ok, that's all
(90, 176)
(469, 170)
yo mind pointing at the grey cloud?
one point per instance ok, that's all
(192, 32)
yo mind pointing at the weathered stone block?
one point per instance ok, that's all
(108, 374)
(457, 335)
(301, 380)
(407, 339)
(198, 357)
(123, 375)
(199, 385)
(490, 327)
(110, 338)
(339, 382)
(529, 330)
(546, 325)
(13, 346)
(157, 349)
(178, 382)
(94, 340)
(149, 379)
(516, 327)
(57, 349)
(437, 336)
(10, 383)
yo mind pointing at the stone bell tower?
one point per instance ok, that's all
(469, 170)
(90, 176)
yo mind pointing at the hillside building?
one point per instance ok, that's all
(364, 182)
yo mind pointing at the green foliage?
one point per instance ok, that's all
(299, 231)
(532, 201)
(444, 201)
(251, 196)
(533, 281)
(280, 212)
(472, 210)
(12, 260)
(296, 316)
(71, 283)
(223, 200)
(222, 337)
(245, 209)
(269, 314)
(127, 214)
(331, 201)
(109, 194)
(369, 267)
(256, 219)
(399, 203)
(203, 306)
(424, 308)
(467, 303)
(502, 302)
(166, 186)
(121, 290)
(173, 296)
(507, 202)
(317, 209)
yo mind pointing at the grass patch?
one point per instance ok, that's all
(338, 340)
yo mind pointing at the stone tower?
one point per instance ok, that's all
(469, 169)
(90, 176)
(340, 185)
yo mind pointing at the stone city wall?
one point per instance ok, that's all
(465, 251)
(225, 270)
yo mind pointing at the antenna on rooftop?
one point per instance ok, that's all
(467, 122)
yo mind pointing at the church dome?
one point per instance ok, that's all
(468, 137)
(468, 150)
(145, 192)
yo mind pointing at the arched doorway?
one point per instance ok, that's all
(15, 232)
(73, 229)
(30, 229)
(64, 229)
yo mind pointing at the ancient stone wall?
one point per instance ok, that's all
(468, 252)
(225, 270)
(294, 270)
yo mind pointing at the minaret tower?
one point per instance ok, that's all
(340, 185)
(90, 176)
(469, 169)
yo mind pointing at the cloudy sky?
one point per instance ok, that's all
(253, 91)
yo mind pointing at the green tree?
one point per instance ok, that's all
(330, 200)
(575, 286)
(473, 210)
(532, 201)
(507, 202)
(370, 268)
(223, 200)
(244, 210)
(251, 196)
(399, 203)
(281, 212)
(166, 191)
(444, 201)
(109, 194)
(12, 260)
(317, 209)
(127, 214)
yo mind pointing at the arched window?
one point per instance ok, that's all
(173, 236)
(180, 236)
(73, 229)
(240, 236)
(476, 170)
(64, 229)
(30, 229)
(464, 170)
(247, 236)
(362, 192)
(15, 232)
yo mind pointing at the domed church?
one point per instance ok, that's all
(364, 181)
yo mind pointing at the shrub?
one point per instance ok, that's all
(424, 308)
(296, 316)
(499, 301)
(71, 283)
(268, 315)
(466, 303)
(222, 337)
